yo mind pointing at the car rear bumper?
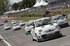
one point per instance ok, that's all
(7, 28)
(22, 24)
(16, 28)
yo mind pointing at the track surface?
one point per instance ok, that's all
(18, 38)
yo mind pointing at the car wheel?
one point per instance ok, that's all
(38, 40)
(33, 39)
(60, 35)
(67, 24)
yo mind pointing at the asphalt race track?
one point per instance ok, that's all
(18, 38)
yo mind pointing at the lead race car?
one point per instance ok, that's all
(44, 29)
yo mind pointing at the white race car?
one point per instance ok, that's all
(43, 29)
(28, 26)
(6, 27)
(60, 20)
(21, 23)
(13, 21)
(16, 26)
(1, 24)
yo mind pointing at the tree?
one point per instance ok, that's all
(24, 4)
(15, 6)
(4, 5)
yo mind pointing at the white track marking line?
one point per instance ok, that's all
(5, 41)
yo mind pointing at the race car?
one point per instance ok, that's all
(1, 24)
(44, 29)
(6, 27)
(16, 26)
(60, 20)
(13, 21)
(21, 23)
(28, 26)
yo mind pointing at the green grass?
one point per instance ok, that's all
(68, 19)
(30, 13)
(30, 18)
(34, 13)
(27, 18)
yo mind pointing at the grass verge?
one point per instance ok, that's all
(68, 19)
(27, 18)
(30, 18)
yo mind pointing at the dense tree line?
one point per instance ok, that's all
(4, 6)
(24, 4)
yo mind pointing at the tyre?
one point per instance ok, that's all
(33, 39)
(38, 40)
(60, 35)
(67, 24)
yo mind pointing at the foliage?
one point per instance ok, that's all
(15, 6)
(3, 5)
(24, 4)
